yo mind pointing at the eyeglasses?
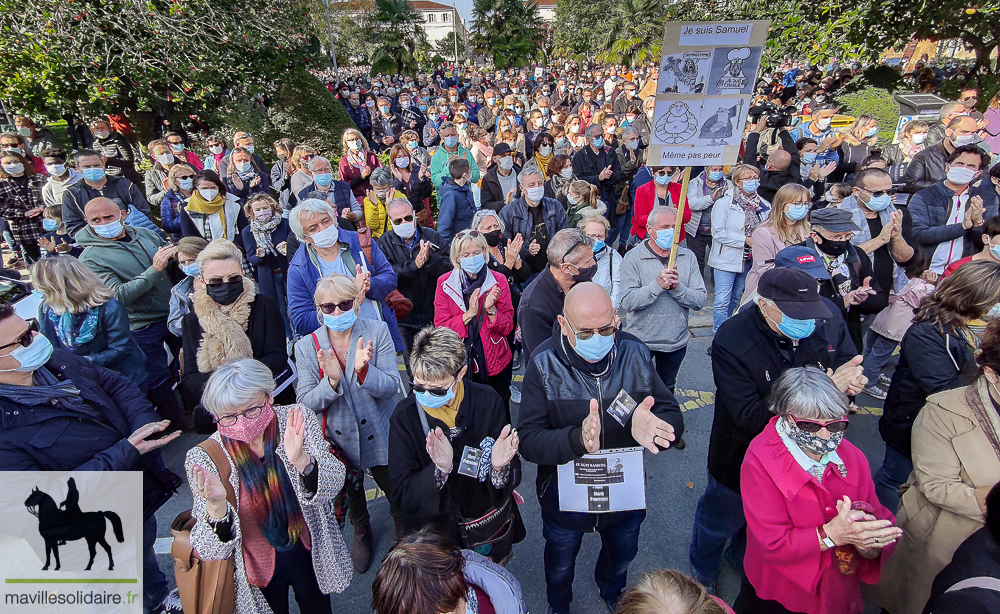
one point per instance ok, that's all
(437, 392)
(307, 157)
(795, 204)
(583, 335)
(881, 193)
(812, 426)
(405, 218)
(251, 413)
(470, 233)
(185, 176)
(343, 306)
(218, 281)
(25, 339)
(579, 241)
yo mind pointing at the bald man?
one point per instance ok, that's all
(567, 417)
(132, 262)
(781, 167)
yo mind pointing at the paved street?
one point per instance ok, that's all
(676, 479)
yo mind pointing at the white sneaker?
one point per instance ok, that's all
(884, 380)
(875, 391)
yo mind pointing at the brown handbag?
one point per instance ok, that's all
(395, 300)
(205, 587)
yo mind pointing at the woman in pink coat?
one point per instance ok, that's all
(815, 529)
(474, 301)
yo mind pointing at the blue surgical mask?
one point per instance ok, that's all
(715, 175)
(243, 166)
(450, 141)
(423, 108)
(341, 322)
(185, 184)
(751, 185)
(599, 142)
(598, 246)
(872, 132)
(432, 401)
(50, 225)
(412, 145)
(595, 348)
(797, 212)
(191, 270)
(249, 149)
(664, 238)
(661, 179)
(323, 178)
(109, 231)
(473, 264)
(809, 157)
(33, 356)
(93, 174)
(878, 203)
(796, 329)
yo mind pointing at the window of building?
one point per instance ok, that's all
(444, 17)
(431, 18)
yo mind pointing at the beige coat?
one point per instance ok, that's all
(952, 457)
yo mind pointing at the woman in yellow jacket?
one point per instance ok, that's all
(956, 460)
(381, 194)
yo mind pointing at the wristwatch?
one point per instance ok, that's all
(823, 537)
(309, 468)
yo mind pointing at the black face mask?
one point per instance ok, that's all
(492, 238)
(833, 248)
(585, 274)
(225, 293)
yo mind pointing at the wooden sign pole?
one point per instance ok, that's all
(680, 216)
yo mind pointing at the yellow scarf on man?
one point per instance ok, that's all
(449, 412)
(197, 204)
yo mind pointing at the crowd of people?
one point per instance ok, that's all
(363, 311)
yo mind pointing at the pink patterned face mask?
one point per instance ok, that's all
(248, 429)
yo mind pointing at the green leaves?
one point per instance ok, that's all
(396, 31)
(510, 31)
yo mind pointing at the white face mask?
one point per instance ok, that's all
(824, 123)
(919, 138)
(327, 237)
(405, 230)
(208, 194)
(216, 149)
(402, 161)
(165, 158)
(959, 175)
(506, 163)
(535, 194)
(545, 150)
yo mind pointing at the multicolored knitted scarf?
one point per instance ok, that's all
(272, 498)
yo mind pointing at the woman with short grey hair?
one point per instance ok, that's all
(273, 515)
(376, 214)
(813, 493)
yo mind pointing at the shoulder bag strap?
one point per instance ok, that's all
(423, 419)
(979, 410)
(222, 464)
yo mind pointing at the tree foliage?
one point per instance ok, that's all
(396, 31)
(510, 31)
(100, 56)
(579, 23)
(635, 35)
(350, 32)
(446, 46)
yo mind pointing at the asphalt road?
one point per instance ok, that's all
(676, 480)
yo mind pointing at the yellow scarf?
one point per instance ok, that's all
(543, 163)
(197, 204)
(447, 413)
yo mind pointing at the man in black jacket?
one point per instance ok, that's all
(387, 126)
(598, 165)
(782, 166)
(500, 186)
(789, 325)
(928, 166)
(61, 412)
(419, 257)
(97, 183)
(572, 412)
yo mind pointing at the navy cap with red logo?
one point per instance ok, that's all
(801, 257)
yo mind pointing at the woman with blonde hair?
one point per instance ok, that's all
(357, 163)
(858, 144)
(302, 177)
(787, 224)
(265, 240)
(575, 132)
(582, 202)
(665, 591)
(80, 315)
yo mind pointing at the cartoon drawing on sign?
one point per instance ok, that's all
(677, 124)
(685, 73)
(719, 125)
(733, 70)
(57, 526)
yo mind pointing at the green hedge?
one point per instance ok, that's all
(302, 110)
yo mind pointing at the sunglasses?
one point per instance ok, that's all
(251, 413)
(583, 335)
(881, 193)
(185, 176)
(25, 339)
(218, 281)
(437, 392)
(405, 218)
(343, 306)
(812, 426)
(579, 241)
(470, 233)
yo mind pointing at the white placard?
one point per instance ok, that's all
(607, 481)
(690, 156)
(716, 34)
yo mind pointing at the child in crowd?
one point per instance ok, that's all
(56, 241)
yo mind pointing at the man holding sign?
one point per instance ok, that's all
(585, 426)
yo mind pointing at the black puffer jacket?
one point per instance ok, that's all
(554, 405)
(929, 361)
(747, 358)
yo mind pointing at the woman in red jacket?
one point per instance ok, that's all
(357, 164)
(815, 529)
(474, 301)
(664, 190)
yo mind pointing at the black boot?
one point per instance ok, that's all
(361, 554)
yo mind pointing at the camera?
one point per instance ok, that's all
(777, 117)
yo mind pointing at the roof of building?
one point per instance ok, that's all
(428, 5)
(546, 3)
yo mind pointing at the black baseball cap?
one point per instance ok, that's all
(800, 257)
(502, 149)
(795, 292)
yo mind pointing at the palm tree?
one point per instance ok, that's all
(636, 33)
(396, 31)
(509, 30)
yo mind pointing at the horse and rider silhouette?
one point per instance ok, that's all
(57, 526)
